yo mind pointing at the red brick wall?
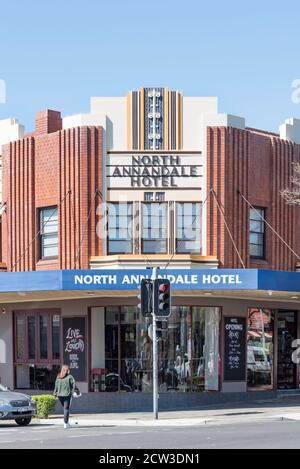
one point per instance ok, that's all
(47, 122)
(39, 171)
(18, 193)
(257, 165)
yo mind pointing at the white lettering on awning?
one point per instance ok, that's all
(95, 279)
(223, 279)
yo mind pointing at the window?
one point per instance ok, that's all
(55, 336)
(120, 219)
(37, 337)
(43, 337)
(188, 355)
(31, 337)
(48, 232)
(260, 345)
(188, 237)
(257, 233)
(37, 346)
(20, 343)
(154, 235)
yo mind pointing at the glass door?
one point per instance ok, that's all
(286, 333)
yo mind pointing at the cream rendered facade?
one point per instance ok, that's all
(192, 115)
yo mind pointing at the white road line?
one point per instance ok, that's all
(30, 439)
(128, 433)
(7, 441)
(99, 435)
(40, 431)
(8, 429)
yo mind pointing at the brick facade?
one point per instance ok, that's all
(64, 168)
(258, 165)
(43, 169)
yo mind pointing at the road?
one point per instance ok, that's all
(267, 434)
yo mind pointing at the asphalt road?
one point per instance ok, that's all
(275, 434)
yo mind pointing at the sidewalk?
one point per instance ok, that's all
(224, 415)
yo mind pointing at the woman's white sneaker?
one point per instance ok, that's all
(67, 425)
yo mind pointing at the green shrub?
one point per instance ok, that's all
(45, 405)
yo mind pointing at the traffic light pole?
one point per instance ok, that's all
(154, 353)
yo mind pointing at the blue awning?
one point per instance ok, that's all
(181, 279)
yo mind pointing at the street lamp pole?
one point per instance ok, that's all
(154, 354)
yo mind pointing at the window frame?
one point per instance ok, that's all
(165, 203)
(129, 219)
(43, 236)
(263, 210)
(177, 203)
(25, 314)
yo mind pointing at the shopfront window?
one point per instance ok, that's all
(205, 351)
(260, 343)
(112, 321)
(155, 225)
(37, 348)
(43, 337)
(188, 350)
(286, 334)
(31, 337)
(188, 238)
(20, 337)
(56, 337)
(120, 220)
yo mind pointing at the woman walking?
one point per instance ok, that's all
(63, 390)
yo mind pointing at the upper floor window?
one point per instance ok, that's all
(257, 233)
(48, 232)
(120, 218)
(155, 222)
(188, 227)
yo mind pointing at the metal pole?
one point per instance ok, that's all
(154, 354)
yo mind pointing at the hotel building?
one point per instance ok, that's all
(91, 201)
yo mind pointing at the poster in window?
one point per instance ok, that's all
(75, 344)
(235, 349)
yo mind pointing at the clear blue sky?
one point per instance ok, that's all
(57, 54)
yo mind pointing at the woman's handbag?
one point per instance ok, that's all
(76, 393)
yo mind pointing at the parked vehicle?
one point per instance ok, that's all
(16, 406)
(258, 367)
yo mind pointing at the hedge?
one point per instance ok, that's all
(45, 405)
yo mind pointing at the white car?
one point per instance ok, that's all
(258, 366)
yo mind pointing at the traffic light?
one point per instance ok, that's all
(145, 296)
(162, 297)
